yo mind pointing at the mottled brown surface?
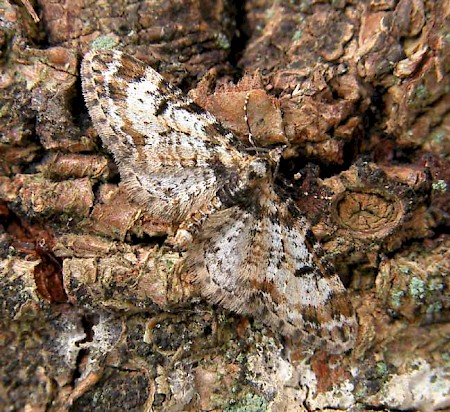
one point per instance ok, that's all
(92, 317)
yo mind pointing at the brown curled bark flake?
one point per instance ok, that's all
(232, 104)
(36, 244)
(115, 216)
(93, 315)
(60, 166)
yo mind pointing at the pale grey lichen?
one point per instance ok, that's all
(423, 388)
(417, 288)
(439, 186)
(105, 42)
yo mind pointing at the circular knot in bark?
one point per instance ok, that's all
(368, 212)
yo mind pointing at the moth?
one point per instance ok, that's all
(247, 245)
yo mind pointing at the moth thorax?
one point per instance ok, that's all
(258, 169)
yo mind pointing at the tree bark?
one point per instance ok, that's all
(92, 314)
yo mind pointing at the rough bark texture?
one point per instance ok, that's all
(92, 317)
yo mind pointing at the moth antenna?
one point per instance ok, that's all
(250, 135)
(257, 149)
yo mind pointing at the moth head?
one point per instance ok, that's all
(258, 169)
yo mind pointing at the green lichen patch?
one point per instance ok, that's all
(250, 403)
(416, 285)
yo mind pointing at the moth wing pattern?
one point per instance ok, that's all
(171, 154)
(253, 253)
(278, 274)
